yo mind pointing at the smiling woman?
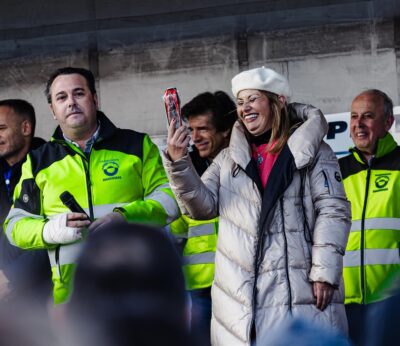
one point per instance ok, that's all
(254, 111)
(283, 214)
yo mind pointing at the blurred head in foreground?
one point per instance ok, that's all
(128, 290)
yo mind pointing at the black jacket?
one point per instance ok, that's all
(27, 271)
(199, 163)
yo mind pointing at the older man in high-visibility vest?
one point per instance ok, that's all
(371, 175)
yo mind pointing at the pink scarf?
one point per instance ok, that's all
(265, 161)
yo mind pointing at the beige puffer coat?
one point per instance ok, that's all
(266, 260)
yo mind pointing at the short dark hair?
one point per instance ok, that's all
(88, 75)
(219, 104)
(23, 109)
(387, 101)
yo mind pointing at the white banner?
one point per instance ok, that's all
(339, 131)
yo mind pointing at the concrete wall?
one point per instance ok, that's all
(326, 66)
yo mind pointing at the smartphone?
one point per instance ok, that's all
(173, 106)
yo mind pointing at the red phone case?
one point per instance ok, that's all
(172, 106)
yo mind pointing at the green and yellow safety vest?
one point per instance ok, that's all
(372, 259)
(123, 172)
(199, 250)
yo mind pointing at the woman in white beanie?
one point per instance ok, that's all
(284, 216)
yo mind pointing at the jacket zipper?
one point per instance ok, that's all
(257, 264)
(287, 259)
(362, 240)
(88, 186)
(326, 181)
(256, 269)
(86, 167)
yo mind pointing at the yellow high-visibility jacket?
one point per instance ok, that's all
(123, 172)
(372, 259)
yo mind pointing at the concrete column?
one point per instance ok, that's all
(242, 51)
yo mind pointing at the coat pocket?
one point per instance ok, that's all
(329, 181)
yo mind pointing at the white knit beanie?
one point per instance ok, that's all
(261, 78)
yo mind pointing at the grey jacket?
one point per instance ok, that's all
(273, 242)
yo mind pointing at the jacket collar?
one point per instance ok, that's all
(36, 143)
(385, 146)
(239, 146)
(303, 143)
(107, 129)
(306, 139)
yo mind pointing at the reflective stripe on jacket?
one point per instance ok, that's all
(199, 250)
(372, 257)
(124, 171)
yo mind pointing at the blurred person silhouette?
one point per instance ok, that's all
(25, 323)
(129, 290)
(303, 332)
